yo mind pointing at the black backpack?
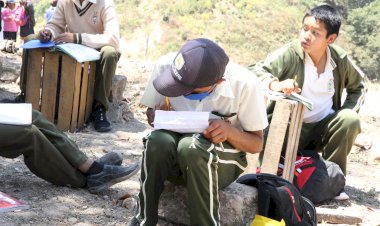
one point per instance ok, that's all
(279, 199)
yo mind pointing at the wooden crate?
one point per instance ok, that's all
(287, 117)
(60, 87)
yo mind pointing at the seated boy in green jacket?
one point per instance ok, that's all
(319, 71)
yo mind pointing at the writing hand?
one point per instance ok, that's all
(44, 35)
(218, 131)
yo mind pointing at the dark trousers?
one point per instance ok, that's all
(192, 160)
(10, 35)
(47, 151)
(333, 136)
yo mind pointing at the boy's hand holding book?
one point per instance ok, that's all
(66, 37)
(287, 86)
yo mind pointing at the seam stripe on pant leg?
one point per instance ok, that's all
(232, 162)
(143, 183)
(211, 184)
(210, 189)
(227, 150)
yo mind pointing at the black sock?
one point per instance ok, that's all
(94, 168)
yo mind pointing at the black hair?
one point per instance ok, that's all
(328, 15)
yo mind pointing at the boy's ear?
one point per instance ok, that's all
(331, 39)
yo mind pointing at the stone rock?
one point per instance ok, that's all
(238, 204)
(119, 83)
(119, 112)
(10, 67)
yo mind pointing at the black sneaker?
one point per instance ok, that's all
(20, 98)
(99, 117)
(109, 176)
(111, 158)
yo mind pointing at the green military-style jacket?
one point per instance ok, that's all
(288, 63)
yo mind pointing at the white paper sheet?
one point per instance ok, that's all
(16, 114)
(181, 121)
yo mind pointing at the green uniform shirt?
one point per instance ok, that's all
(288, 63)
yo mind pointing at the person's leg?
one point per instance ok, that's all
(51, 155)
(206, 168)
(67, 147)
(105, 71)
(341, 132)
(13, 36)
(334, 136)
(40, 154)
(23, 74)
(159, 162)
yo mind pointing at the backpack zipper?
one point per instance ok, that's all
(294, 206)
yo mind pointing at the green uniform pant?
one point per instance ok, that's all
(105, 71)
(202, 166)
(333, 136)
(47, 151)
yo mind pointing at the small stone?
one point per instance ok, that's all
(72, 220)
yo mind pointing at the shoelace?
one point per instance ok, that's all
(99, 115)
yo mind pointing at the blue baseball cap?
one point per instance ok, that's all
(199, 63)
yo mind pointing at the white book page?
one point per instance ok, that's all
(16, 114)
(181, 121)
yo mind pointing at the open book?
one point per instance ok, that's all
(16, 114)
(181, 121)
(79, 52)
(8, 203)
(292, 96)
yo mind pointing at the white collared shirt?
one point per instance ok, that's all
(240, 93)
(319, 89)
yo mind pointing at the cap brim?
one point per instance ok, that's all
(166, 85)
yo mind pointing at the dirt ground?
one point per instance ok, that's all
(53, 205)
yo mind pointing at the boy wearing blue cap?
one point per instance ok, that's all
(200, 78)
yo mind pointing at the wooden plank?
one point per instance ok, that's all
(77, 87)
(66, 92)
(276, 135)
(293, 140)
(33, 82)
(90, 89)
(49, 85)
(339, 216)
(83, 95)
(251, 163)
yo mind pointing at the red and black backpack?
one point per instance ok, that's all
(279, 199)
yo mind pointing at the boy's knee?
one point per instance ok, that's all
(159, 144)
(109, 52)
(191, 151)
(350, 119)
